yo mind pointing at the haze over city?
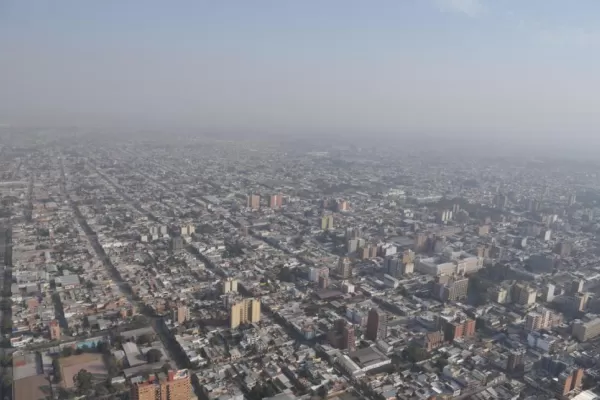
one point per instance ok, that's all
(523, 70)
(299, 200)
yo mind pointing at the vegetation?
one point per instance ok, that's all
(83, 381)
(153, 356)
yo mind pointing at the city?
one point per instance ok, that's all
(219, 269)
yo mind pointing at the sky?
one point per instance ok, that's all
(514, 69)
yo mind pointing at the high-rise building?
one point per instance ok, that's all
(55, 332)
(583, 331)
(244, 312)
(342, 335)
(376, 325)
(177, 243)
(523, 294)
(314, 273)
(548, 294)
(457, 328)
(449, 288)
(6, 245)
(181, 314)
(501, 201)
(253, 201)
(327, 222)
(174, 386)
(323, 282)
(229, 285)
(572, 199)
(563, 248)
(275, 201)
(344, 268)
(421, 240)
(342, 205)
(515, 360)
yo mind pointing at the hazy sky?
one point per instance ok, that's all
(485, 67)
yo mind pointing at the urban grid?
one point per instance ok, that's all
(204, 268)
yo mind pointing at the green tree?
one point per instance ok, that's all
(67, 351)
(83, 381)
(145, 339)
(153, 356)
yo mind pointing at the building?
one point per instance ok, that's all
(501, 201)
(572, 200)
(444, 216)
(421, 243)
(376, 325)
(342, 205)
(229, 285)
(450, 288)
(55, 332)
(515, 361)
(181, 314)
(327, 222)
(275, 201)
(342, 335)
(456, 328)
(524, 295)
(253, 201)
(314, 273)
(498, 294)
(548, 294)
(323, 281)
(177, 243)
(6, 245)
(174, 386)
(399, 265)
(244, 312)
(583, 331)
(563, 249)
(344, 268)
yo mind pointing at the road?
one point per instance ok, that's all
(157, 322)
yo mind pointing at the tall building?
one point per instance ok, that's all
(342, 335)
(515, 360)
(275, 201)
(572, 199)
(177, 243)
(323, 282)
(344, 268)
(181, 314)
(523, 294)
(584, 331)
(421, 241)
(174, 386)
(548, 294)
(327, 222)
(6, 245)
(563, 248)
(244, 312)
(229, 285)
(342, 205)
(376, 325)
(457, 328)
(253, 201)
(448, 288)
(55, 332)
(314, 273)
(501, 201)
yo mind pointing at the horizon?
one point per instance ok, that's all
(465, 70)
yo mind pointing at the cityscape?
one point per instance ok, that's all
(299, 200)
(220, 269)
